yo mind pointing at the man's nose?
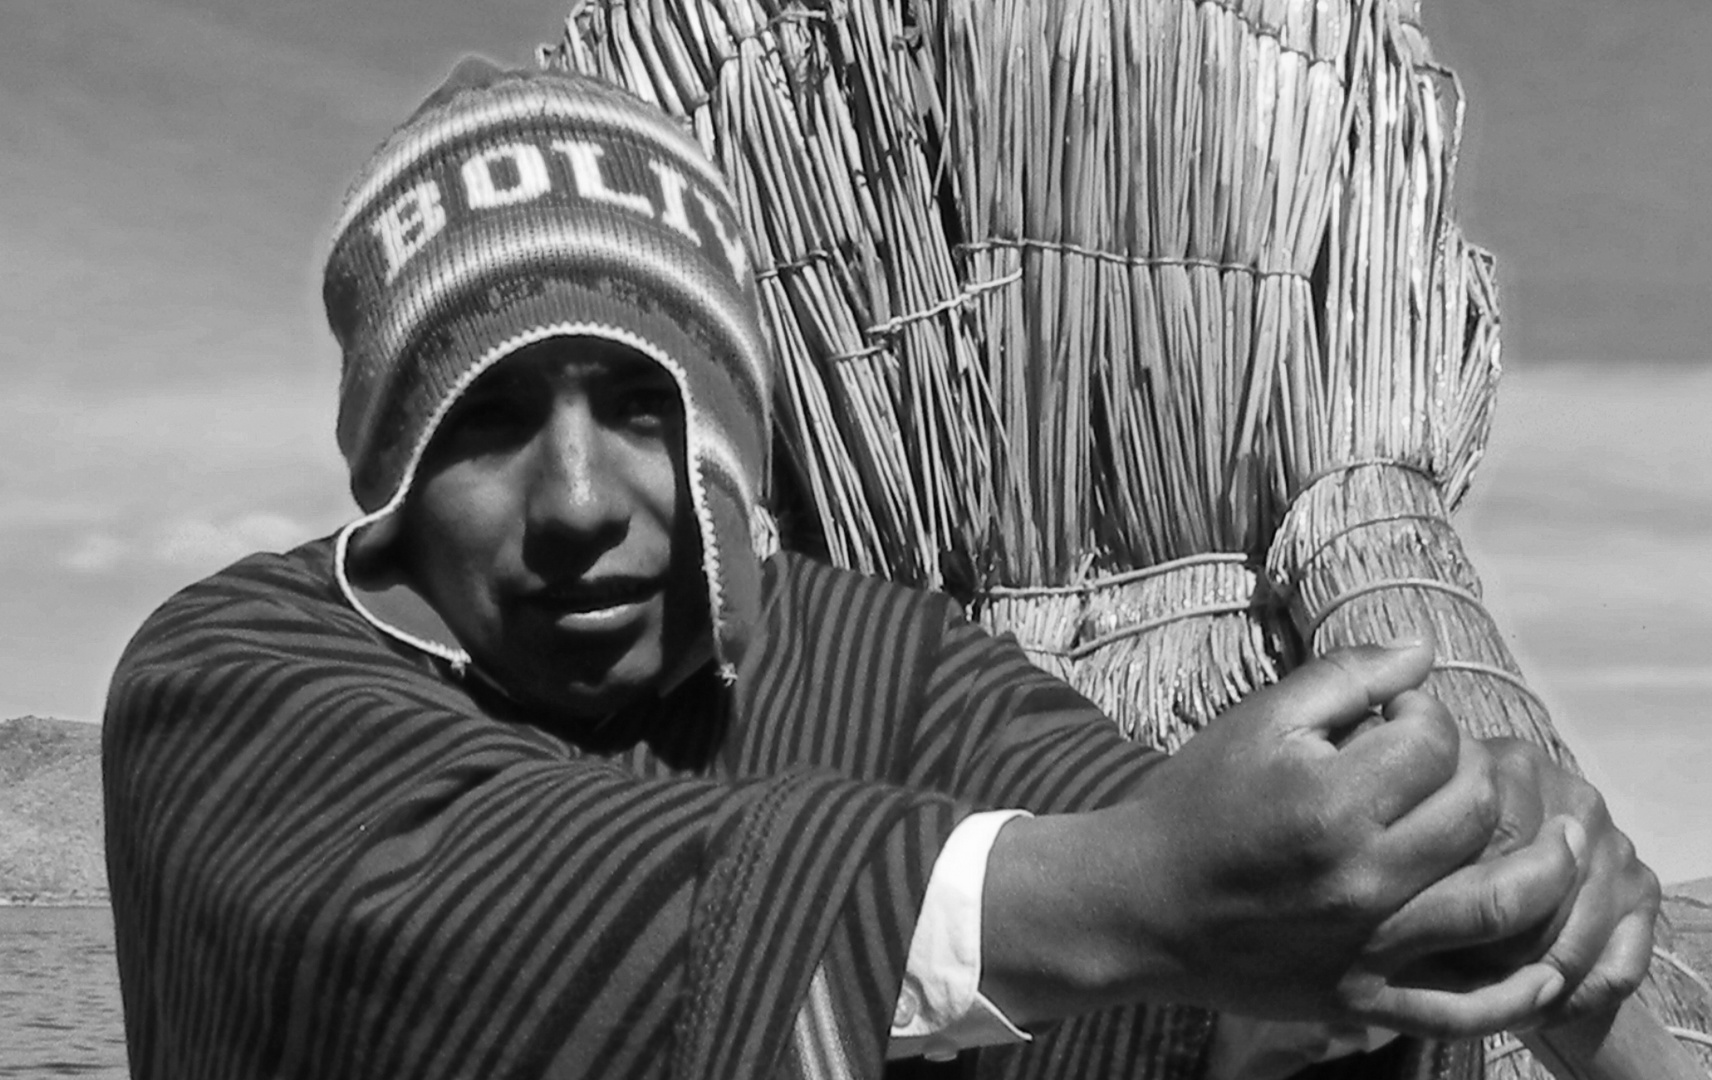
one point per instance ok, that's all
(574, 488)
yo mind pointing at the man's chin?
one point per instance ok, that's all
(585, 704)
(593, 695)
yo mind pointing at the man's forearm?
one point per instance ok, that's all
(1060, 920)
(1280, 866)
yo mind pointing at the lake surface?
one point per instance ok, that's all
(59, 995)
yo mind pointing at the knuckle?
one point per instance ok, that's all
(1601, 990)
(1345, 817)
(1319, 846)
(1361, 894)
(1594, 807)
(1362, 995)
(1623, 983)
(1309, 819)
(1624, 849)
(1484, 800)
(1343, 674)
(1443, 738)
(1493, 912)
(1433, 738)
(1359, 992)
(1652, 893)
(1346, 659)
(1515, 756)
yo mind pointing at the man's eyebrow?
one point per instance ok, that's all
(543, 372)
(497, 378)
(627, 369)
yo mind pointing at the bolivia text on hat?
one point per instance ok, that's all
(519, 173)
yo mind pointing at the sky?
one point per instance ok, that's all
(172, 167)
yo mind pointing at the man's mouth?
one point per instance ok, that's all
(596, 595)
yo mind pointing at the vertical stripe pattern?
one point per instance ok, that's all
(329, 859)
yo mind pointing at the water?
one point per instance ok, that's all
(59, 995)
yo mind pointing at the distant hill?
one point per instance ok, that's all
(50, 812)
(1700, 891)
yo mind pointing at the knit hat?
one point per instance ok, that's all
(517, 206)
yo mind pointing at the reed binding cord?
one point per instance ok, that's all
(1159, 649)
(892, 326)
(1111, 580)
(1366, 552)
(1129, 261)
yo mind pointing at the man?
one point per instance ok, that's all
(549, 766)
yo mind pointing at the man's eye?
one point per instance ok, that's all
(488, 413)
(488, 420)
(649, 405)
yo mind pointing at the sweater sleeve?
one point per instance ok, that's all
(326, 862)
(1000, 732)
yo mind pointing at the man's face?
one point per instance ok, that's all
(550, 527)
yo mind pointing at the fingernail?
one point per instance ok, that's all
(1550, 990)
(1576, 837)
(1414, 642)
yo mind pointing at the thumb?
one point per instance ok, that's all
(1343, 687)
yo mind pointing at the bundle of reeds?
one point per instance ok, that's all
(1157, 174)
(810, 114)
(1010, 369)
(1379, 432)
(1079, 304)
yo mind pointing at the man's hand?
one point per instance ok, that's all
(1310, 834)
(1600, 939)
(1254, 870)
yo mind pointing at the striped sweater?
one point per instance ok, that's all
(329, 858)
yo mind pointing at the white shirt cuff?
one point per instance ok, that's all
(940, 1009)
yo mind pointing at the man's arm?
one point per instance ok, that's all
(1283, 778)
(1281, 866)
(325, 863)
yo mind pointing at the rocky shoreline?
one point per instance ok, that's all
(51, 821)
(1690, 919)
(73, 900)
